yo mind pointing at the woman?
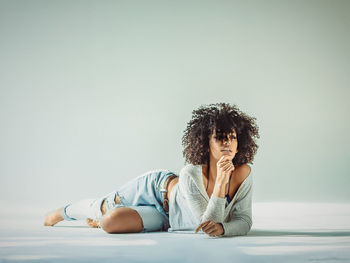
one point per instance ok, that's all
(219, 142)
(213, 193)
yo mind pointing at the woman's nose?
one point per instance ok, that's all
(227, 142)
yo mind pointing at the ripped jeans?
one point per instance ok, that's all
(143, 194)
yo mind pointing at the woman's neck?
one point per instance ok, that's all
(212, 170)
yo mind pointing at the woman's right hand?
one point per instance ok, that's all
(224, 168)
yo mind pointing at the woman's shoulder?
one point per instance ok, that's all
(242, 172)
(191, 170)
(242, 175)
(191, 173)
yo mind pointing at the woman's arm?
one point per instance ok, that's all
(241, 222)
(213, 210)
(201, 209)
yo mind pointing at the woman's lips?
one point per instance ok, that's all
(226, 151)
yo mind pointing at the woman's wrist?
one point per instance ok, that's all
(219, 190)
(220, 183)
(223, 229)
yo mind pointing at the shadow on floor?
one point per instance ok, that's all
(257, 233)
(73, 226)
(262, 233)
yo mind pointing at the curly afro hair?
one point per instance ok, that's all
(223, 118)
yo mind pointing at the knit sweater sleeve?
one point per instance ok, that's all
(201, 209)
(241, 221)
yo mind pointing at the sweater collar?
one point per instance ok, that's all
(198, 179)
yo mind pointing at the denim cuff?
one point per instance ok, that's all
(64, 214)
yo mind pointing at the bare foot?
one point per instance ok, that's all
(52, 218)
(93, 223)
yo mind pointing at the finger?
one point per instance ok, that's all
(222, 164)
(227, 165)
(213, 231)
(201, 225)
(232, 168)
(197, 229)
(204, 224)
(222, 157)
(228, 168)
(226, 157)
(208, 226)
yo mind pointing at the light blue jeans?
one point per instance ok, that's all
(143, 194)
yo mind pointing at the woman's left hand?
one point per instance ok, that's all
(211, 228)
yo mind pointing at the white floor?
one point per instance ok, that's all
(282, 232)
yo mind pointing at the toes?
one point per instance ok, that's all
(92, 223)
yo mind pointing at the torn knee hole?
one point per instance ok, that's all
(103, 207)
(117, 200)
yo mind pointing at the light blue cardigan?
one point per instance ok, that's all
(192, 200)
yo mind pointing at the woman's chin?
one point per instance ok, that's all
(227, 154)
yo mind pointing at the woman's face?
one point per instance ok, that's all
(223, 146)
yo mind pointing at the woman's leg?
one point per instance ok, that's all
(53, 217)
(86, 209)
(81, 210)
(122, 220)
(141, 194)
(134, 219)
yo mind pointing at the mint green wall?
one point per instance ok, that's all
(93, 93)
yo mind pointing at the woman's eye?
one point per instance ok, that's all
(221, 138)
